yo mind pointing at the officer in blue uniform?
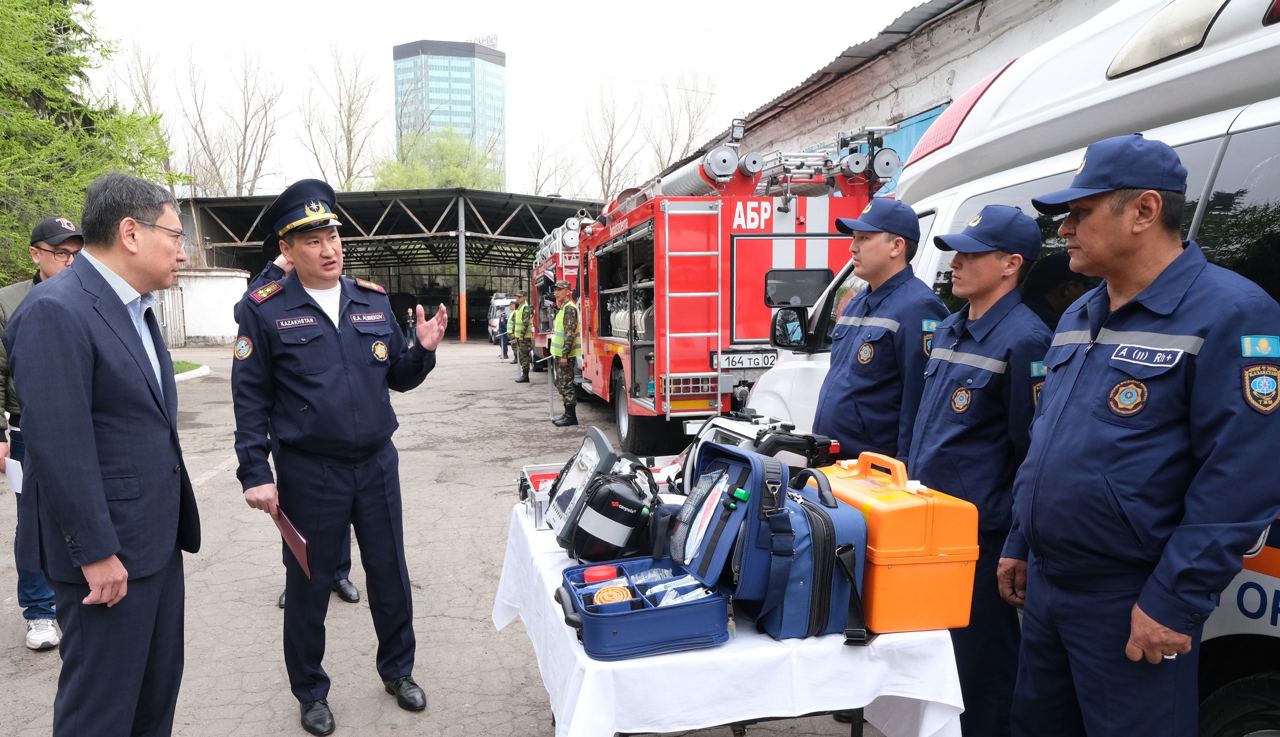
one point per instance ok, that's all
(1149, 472)
(316, 356)
(972, 432)
(881, 342)
(276, 270)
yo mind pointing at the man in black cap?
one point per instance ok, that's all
(1148, 474)
(315, 360)
(54, 244)
(1051, 286)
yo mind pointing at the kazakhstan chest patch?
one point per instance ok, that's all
(380, 350)
(1127, 398)
(302, 321)
(961, 400)
(1262, 387)
(866, 352)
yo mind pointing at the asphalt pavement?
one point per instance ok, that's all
(464, 434)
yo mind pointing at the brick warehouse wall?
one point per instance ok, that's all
(932, 68)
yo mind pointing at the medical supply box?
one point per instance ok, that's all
(922, 546)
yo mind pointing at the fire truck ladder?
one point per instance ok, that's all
(706, 382)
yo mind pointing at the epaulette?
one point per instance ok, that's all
(265, 292)
(365, 283)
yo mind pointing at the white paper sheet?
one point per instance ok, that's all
(13, 472)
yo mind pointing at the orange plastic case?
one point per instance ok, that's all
(921, 546)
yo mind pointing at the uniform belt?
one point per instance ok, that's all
(15, 419)
(357, 457)
(1103, 581)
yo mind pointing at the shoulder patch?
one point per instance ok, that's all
(366, 284)
(1262, 387)
(265, 292)
(1260, 346)
(928, 326)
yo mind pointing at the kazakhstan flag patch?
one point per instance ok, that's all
(1260, 346)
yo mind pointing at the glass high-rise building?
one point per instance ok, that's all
(452, 84)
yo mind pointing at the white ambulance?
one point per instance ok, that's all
(1201, 75)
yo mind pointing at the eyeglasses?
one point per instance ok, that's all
(59, 254)
(182, 235)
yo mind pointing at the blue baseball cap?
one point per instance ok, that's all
(996, 228)
(1122, 162)
(884, 215)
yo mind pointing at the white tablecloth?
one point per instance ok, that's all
(906, 682)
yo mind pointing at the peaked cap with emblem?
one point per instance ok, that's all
(305, 205)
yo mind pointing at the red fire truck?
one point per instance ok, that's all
(677, 289)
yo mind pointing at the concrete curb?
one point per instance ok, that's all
(194, 373)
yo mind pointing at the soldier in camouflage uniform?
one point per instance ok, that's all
(520, 327)
(566, 347)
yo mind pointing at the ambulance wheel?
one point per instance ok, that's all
(637, 434)
(1249, 707)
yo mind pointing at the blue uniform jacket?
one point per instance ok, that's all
(879, 348)
(317, 388)
(1151, 451)
(980, 389)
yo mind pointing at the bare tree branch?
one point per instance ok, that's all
(337, 129)
(228, 156)
(682, 119)
(610, 144)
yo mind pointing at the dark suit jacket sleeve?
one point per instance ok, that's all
(253, 396)
(57, 377)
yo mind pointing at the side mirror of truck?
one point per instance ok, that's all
(789, 328)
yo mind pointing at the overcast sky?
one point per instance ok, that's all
(559, 55)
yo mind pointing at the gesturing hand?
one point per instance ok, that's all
(430, 332)
(108, 581)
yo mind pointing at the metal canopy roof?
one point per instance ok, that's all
(849, 61)
(399, 228)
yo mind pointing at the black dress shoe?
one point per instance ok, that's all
(409, 695)
(346, 590)
(316, 717)
(280, 603)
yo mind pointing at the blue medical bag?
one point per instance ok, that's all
(719, 530)
(814, 588)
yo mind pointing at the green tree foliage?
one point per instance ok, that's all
(437, 160)
(54, 139)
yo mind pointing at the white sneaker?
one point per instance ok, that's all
(41, 634)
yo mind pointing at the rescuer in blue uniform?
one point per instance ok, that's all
(972, 432)
(880, 344)
(316, 356)
(276, 270)
(1150, 471)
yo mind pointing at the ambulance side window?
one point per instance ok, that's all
(1241, 227)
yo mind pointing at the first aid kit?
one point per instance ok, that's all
(650, 607)
(922, 546)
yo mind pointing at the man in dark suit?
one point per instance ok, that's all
(107, 504)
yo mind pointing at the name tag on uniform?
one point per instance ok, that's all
(296, 322)
(359, 317)
(1144, 356)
